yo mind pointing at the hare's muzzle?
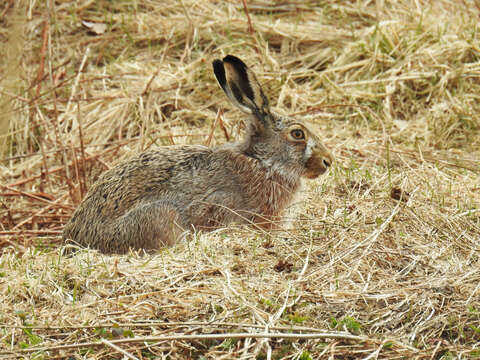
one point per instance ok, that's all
(317, 164)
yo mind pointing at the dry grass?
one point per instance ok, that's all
(392, 87)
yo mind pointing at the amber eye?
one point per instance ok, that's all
(297, 134)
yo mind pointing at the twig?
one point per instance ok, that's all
(83, 180)
(9, 4)
(59, 168)
(14, 96)
(212, 129)
(167, 324)
(41, 66)
(431, 158)
(117, 144)
(119, 349)
(222, 126)
(250, 27)
(45, 165)
(147, 87)
(38, 213)
(31, 196)
(337, 335)
(32, 232)
(77, 80)
(53, 81)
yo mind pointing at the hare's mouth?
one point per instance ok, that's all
(316, 166)
(313, 174)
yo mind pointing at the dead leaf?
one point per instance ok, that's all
(268, 244)
(283, 265)
(399, 194)
(44, 195)
(94, 27)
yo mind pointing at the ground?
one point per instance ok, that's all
(380, 256)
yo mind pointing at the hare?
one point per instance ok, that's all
(149, 201)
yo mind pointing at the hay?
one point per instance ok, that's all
(381, 256)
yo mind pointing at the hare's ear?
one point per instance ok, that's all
(241, 86)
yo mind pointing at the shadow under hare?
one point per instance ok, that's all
(149, 201)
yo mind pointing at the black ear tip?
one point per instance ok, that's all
(219, 72)
(234, 61)
(217, 65)
(230, 58)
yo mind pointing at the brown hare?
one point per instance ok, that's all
(149, 201)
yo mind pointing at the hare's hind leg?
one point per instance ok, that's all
(149, 226)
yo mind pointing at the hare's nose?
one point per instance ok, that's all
(327, 160)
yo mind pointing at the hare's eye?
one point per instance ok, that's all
(297, 134)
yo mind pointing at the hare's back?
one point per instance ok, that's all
(146, 177)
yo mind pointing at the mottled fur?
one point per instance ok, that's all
(148, 201)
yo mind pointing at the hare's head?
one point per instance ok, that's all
(280, 142)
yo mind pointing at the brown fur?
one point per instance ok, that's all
(150, 200)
